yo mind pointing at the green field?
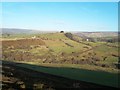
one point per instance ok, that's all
(98, 77)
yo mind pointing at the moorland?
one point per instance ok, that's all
(88, 57)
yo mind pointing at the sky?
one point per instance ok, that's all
(57, 16)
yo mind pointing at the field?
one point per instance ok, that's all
(44, 77)
(65, 55)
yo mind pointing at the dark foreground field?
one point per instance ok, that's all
(17, 78)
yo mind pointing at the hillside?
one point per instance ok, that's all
(64, 55)
(97, 34)
(61, 48)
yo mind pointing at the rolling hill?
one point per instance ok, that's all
(20, 31)
(97, 34)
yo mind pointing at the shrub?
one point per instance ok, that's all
(61, 31)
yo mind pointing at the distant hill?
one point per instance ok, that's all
(20, 31)
(96, 34)
(80, 34)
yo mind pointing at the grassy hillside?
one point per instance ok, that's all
(58, 48)
(98, 77)
(61, 50)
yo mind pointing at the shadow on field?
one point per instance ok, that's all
(26, 76)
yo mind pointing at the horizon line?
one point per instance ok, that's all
(60, 30)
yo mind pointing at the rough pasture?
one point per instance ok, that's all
(56, 48)
(22, 43)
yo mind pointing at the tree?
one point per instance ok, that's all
(8, 35)
(69, 35)
(61, 31)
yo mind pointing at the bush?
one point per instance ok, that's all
(61, 31)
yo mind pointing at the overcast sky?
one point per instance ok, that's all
(67, 16)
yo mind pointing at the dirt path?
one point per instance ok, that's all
(92, 48)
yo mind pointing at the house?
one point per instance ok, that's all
(87, 39)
